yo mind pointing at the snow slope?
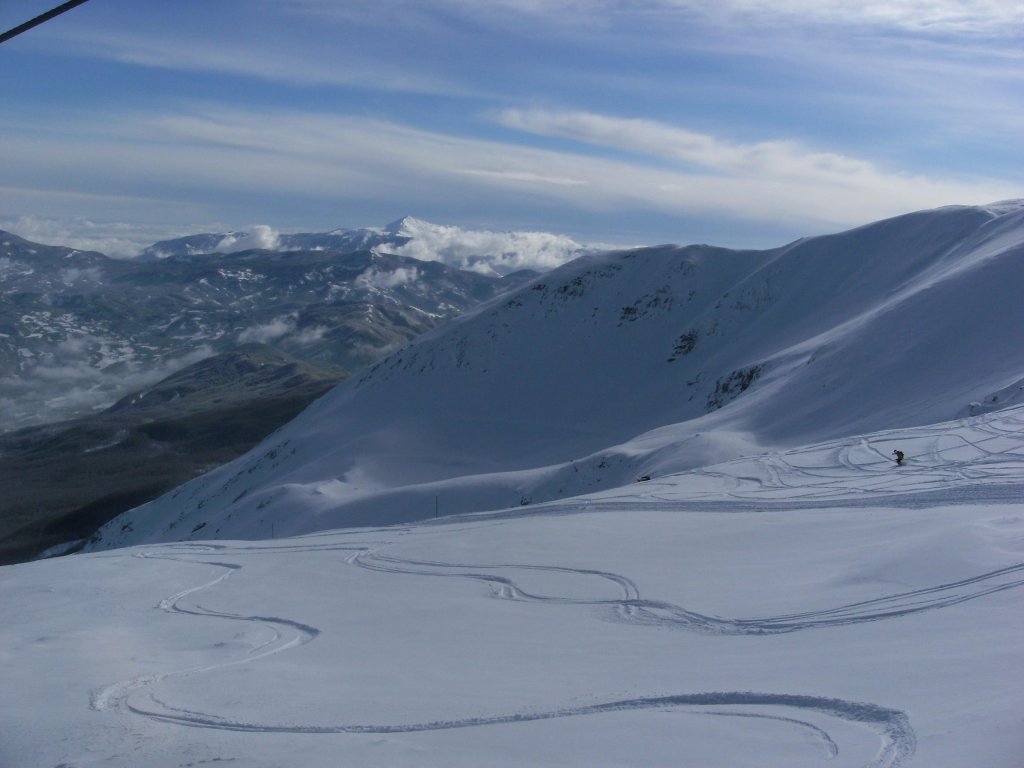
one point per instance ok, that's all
(816, 606)
(642, 362)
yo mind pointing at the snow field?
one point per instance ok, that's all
(616, 630)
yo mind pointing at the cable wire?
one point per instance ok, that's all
(43, 17)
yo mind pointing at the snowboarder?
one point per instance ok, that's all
(899, 456)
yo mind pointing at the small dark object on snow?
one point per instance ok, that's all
(643, 478)
(899, 456)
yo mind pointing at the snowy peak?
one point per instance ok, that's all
(653, 360)
(406, 226)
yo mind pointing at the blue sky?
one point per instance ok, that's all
(735, 122)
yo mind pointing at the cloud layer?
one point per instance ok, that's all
(643, 165)
(70, 380)
(741, 122)
(115, 239)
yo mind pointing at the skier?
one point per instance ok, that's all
(899, 456)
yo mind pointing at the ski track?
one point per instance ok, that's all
(898, 742)
(985, 449)
(286, 634)
(983, 461)
(827, 742)
(631, 608)
(945, 466)
(897, 738)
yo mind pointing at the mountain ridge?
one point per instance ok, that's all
(649, 361)
(491, 253)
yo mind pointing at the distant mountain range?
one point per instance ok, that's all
(344, 240)
(639, 363)
(120, 379)
(489, 253)
(78, 330)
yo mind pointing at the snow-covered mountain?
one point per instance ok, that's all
(640, 363)
(266, 238)
(484, 251)
(79, 330)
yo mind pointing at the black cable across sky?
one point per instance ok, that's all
(43, 17)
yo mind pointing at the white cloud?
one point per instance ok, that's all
(263, 334)
(72, 275)
(376, 278)
(349, 160)
(782, 159)
(989, 17)
(285, 62)
(769, 180)
(309, 335)
(777, 178)
(259, 236)
(527, 176)
(70, 380)
(484, 251)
